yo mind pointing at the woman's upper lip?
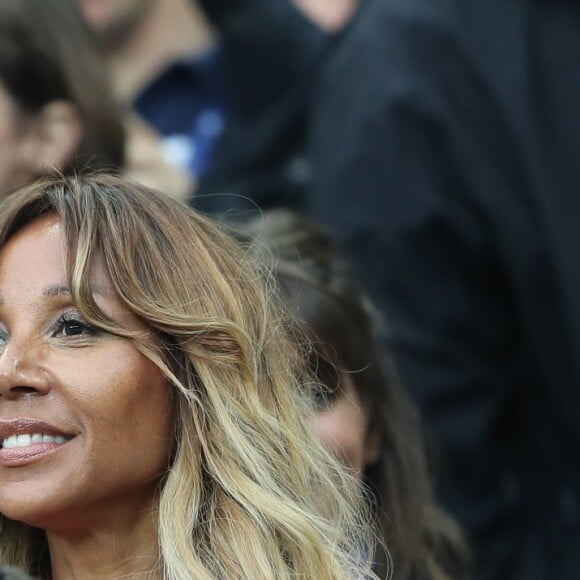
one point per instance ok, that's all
(22, 425)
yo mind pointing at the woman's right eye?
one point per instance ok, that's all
(3, 336)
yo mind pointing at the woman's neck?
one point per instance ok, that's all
(125, 549)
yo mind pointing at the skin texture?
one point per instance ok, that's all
(95, 494)
(344, 429)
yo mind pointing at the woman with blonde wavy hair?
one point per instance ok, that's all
(364, 415)
(152, 409)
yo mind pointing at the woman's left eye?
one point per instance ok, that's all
(68, 326)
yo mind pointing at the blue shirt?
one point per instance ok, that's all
(187, 104)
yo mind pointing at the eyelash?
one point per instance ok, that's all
(69, 319)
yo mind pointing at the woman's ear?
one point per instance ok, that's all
(53, 138)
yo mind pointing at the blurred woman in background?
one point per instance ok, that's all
(57, 111)
(364, 417)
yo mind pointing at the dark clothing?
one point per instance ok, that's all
(273, 56)
(446, 154)
(236, 118)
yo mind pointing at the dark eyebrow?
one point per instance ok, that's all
(50, 291)
(59, 289)
(56, 290)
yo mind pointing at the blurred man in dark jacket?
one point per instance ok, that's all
(446, 154)
(273, 54)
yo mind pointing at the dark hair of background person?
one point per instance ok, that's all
(46, 55)
(316, 284)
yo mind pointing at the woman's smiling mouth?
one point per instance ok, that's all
(25, 440)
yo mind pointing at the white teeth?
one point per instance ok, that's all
(26, 439)
(10, 442)
(23, 440)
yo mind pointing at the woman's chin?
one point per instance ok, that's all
(33, 503)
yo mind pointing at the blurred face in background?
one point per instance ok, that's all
(113, 20)
(13, 144)
(35, 144)
(343, 427)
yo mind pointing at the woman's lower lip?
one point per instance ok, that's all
(20, 456)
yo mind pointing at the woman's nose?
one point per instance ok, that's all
(21, 372)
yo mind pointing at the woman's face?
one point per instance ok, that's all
(85, 418)
(344, 428)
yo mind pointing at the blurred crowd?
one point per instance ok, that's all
(410, 171)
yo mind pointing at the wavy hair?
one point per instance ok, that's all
(316, 284)
(250, 494)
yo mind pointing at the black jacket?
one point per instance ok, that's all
(446, 154)
(273, 55)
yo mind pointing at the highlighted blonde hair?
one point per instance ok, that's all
(250, 493)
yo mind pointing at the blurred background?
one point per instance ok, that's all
(437, 142)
